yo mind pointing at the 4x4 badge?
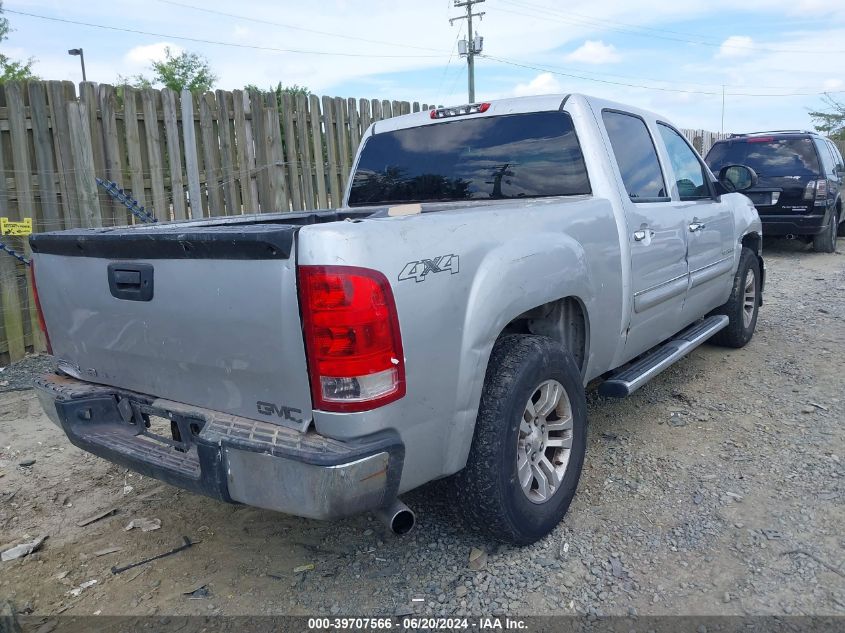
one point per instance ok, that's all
(418, 270)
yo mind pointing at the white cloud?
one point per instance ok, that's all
(542, 84)
(594, 52)
(736, 46)
(833, 84)
(145, 55)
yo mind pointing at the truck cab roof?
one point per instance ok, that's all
(498, 107)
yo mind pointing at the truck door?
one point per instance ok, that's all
(711, 249)
(656, 232)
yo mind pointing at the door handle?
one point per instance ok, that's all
(131, 282)
(696, 226)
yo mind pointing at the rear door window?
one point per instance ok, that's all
(635, 154)
(690, 176)
(837, 155)
(827, 158)
(834, 155)
(767, 155)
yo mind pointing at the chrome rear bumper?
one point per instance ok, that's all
(227, 457)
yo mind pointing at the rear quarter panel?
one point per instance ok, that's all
(511, 256)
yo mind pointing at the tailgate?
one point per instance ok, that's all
(779, 195)
(206, 315)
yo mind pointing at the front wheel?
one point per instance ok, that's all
(743, 305)
(529, 442)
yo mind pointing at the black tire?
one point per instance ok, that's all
(841, 230)
(825, 242)
(739, 330)
(487, 493)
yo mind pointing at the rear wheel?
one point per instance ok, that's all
(529, 442)
(825, 242)
(743, 305)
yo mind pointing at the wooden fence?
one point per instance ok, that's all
(180, 155)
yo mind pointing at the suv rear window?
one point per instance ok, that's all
(768, 156)
(512, 156)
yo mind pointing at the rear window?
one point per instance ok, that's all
(768, 156)
(493, 158)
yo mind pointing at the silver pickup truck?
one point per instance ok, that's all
(488, 262)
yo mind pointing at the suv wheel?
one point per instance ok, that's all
(826, 242)
(529, 442)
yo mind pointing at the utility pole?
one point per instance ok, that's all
(471, 46)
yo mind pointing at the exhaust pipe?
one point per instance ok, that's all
(790, 236)
(398, 517)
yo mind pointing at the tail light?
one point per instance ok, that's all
(41, 322)
(352, 338)
(816, 189)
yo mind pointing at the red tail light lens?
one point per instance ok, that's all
(352, 338)
(41, 322)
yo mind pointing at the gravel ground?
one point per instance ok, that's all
(716, 489)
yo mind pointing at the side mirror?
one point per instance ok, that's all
(737, 178)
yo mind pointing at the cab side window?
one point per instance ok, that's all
(635, 154)
(690, 176)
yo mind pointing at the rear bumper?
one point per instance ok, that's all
(793, 224)
(227, 457)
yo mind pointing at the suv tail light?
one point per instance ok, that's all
(816, 189)
(352, 338)
(38, 310)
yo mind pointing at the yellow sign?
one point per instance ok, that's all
(9, 227)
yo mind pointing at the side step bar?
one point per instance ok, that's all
(627, 380)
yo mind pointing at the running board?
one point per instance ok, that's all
(627, 380)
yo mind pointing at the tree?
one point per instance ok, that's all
(830, 122)
(10, 69)
(177, 72)
(280, 89)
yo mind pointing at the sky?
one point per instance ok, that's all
(772, 58)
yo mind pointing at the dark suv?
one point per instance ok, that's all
(800, 182)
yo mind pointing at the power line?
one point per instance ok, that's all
(658, 88)
(686, 82)
(448, 63)
(587, 18)
(294, 27)
(215, 42)
(566, 18)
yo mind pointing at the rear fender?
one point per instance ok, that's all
(519, 275)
